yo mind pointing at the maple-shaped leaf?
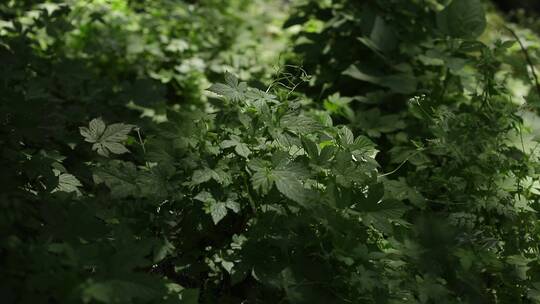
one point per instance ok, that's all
(231, 89)
(106, 139)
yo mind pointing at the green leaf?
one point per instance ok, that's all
(242, 150)
(462, 19)
(288, 184)
(201, 176)
(326, 154)
(233, 205)
(68, 183)
(119, 291)
(239, 147)
(386, 209)
(299, 123)
(354, 72)
(230, 79)
(227, 265)
(346, 136)
(310, 147)
(364, 148)
(262, 181)
(205, 197)
(189, 296)
(228, 143)
(403, 83)
(259, 97)
(233, 90)
(383, 36)
(120, 177)
(218, 211)
(106, 139)
(163, 249)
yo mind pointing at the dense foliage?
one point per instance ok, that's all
(391, 159)
(416, 79)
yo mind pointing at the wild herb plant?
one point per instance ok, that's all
(401, 170)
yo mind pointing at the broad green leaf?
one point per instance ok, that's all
(218, 210)
(162, 249)
(203, 175)
(326, 153)
(222, 176)
(386, 209)
(205, 197)
(462, 19)
(120, 177)
(364, 148)
(239, 147)
(310, 147)
(228, 143)
(299, 123)
(354, 72)
(242, 150)
(346, 136)
(288, 184)
(189, 296)
(403, 83)
(233, 205)
(119, 291)
(257, 164)
(262, 181)
(383, 36)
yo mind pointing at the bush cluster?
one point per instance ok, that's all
(151, 154)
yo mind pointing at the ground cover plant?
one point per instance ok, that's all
(268, 152)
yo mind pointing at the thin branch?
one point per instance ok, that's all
(527, 58)
(402, 163)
